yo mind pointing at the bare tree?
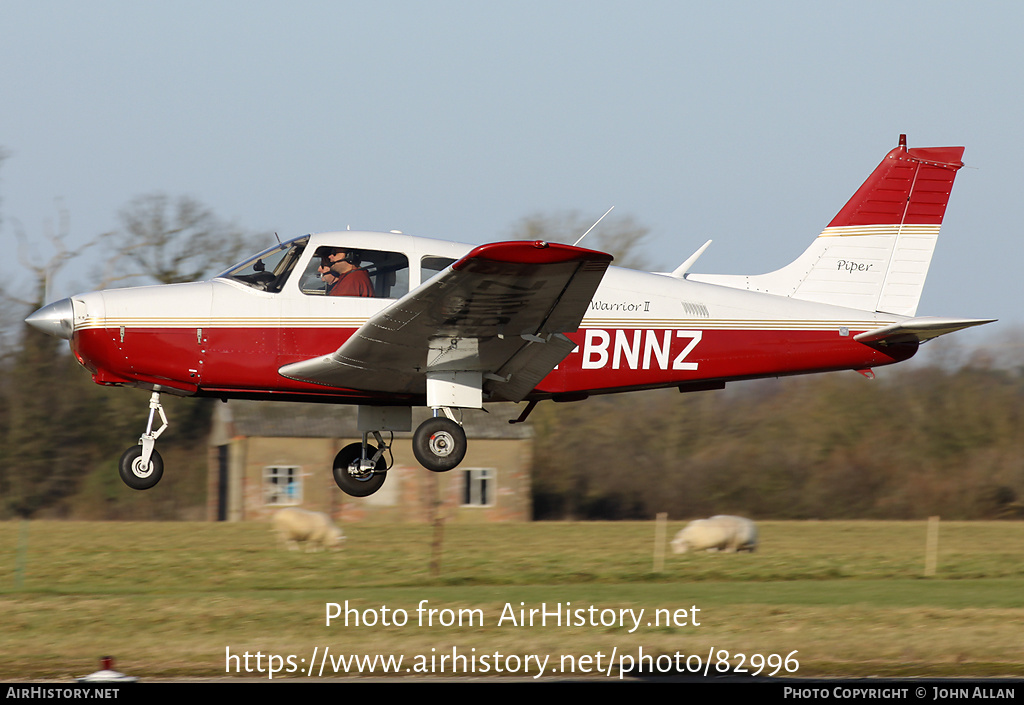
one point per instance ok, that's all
(43, 258)
(177, 240)
(620, 236)
(44, 269)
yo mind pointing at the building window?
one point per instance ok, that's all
(479, 487)
(282, 485)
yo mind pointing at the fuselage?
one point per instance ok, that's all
(229, 336)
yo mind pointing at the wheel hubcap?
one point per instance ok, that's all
(140, 470)
(442, 444)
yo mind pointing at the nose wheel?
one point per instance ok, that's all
(439, 444)
(138, 474)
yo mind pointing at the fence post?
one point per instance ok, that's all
(931, 547)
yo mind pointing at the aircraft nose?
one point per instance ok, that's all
(56, 319)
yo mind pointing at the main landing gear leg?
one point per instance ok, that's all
(141, 466)
(440, 442)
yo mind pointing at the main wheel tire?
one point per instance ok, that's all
(134, 474)
(439, 444)
(358, 485)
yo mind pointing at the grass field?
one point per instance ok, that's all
(171, 600)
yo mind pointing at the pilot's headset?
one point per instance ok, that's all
(352, 257)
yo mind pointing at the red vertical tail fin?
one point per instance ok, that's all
(909, 187)
(874, 255)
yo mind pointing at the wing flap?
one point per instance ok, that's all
(523, 371)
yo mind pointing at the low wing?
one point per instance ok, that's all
(917, 330)
(499, 312)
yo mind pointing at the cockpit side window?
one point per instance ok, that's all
(270, 269)
(351, 271)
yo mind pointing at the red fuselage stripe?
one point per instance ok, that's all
(248, 359)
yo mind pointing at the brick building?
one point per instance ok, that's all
(267, 455)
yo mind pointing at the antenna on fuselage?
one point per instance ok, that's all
(592, 227)
(680, 272)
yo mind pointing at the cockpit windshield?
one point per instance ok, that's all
(269, 270)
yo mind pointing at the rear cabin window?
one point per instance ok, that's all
(432, 265)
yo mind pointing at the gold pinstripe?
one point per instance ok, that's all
(612, 323)
(857, 230)
(737, 323)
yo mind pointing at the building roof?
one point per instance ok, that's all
(299, 420)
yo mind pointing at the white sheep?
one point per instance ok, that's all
(719, 533)
(315, 529)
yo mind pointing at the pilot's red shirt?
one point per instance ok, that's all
(354, 283)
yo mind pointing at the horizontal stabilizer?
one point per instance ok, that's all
(918, 330)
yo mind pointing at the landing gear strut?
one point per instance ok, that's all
(141, 466)
(439, 444)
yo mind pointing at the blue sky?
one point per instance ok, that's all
(749, 123)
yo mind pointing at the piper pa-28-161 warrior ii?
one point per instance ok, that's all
(388, 321)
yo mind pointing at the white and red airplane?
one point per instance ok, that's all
(452, 326)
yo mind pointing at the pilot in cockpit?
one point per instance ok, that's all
(328, 277)
(352, 280)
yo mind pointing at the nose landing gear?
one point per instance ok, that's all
(141, 466)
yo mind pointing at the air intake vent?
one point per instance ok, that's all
(695, 310)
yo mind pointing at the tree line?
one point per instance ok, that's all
(916, 441)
